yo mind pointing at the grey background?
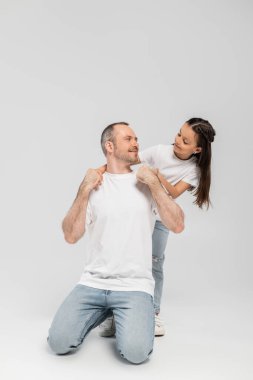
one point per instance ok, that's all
(69, 68)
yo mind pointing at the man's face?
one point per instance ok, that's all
(125, 144)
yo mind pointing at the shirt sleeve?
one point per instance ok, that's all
(192, 178)
(149, 155)
(88, 219)
(154, 209)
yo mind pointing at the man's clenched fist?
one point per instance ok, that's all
(147, 175)
(91, 180)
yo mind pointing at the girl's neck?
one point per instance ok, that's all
(182, 158)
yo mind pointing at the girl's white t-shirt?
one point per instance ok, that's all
(120, 220)
(170, 166)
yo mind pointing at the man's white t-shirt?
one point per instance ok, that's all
(119, 222)
(170, 166)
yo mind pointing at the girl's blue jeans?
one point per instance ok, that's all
(159, 241)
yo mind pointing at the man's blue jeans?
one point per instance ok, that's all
(85, 308)
(159, 241)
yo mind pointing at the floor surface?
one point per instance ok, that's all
(208, 338)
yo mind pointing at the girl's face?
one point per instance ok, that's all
(186, 143)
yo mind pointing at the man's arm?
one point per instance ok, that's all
(170, 212)
(73, 224)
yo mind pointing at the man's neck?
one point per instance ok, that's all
(118, 167)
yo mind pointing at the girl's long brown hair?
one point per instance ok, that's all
(205, 136)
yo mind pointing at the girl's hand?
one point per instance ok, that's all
(147, 175)
(101, 169)
(156, 171)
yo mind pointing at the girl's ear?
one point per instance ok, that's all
(197, 150)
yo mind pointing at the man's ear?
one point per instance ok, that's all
(109, 146)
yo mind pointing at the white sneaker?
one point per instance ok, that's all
(159, 326)
(107, 327)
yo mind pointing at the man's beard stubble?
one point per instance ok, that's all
(126, 158)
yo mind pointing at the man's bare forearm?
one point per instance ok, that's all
(73, 224)
(170, 212)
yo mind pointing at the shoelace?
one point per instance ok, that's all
(158, 321)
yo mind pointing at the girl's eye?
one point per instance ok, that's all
(179, 134)
(185, 142)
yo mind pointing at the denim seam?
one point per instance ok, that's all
(90, 327)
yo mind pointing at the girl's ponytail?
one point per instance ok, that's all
(205, 136)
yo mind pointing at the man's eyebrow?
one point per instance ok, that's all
(132, 137)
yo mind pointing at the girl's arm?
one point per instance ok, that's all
(173, 190)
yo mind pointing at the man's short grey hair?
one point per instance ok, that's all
(108, 134)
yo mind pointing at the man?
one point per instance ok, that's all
(118, 212)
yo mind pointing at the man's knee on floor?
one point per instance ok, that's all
(61, 344)
(135, 354)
